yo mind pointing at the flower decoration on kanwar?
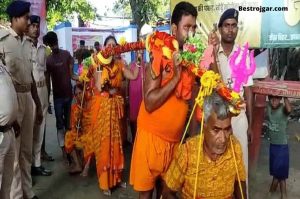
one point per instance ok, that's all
(198, 59)
(161, 45)
(195, 59)
(193, 49)
(83, 69)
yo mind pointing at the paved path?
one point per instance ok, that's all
(63, 186)
(260, 180)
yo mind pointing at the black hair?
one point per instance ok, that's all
(183, 9)
(96, 43)
(51, 38)
(45, 40)
(77, 86)
(82, 42)
(86, 54)
(110, 37)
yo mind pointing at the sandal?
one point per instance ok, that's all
(74, 171)
(123, 185)
(107, 192)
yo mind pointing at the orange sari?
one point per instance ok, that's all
(107, 112)
(83, 139)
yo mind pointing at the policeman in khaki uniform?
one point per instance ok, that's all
(8, 116)
(17, 52)
(39, 69)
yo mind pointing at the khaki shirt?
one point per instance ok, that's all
(8, 98)
(17, 54)
(225, 68)
(39, 62)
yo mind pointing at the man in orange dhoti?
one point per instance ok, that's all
(163, 111)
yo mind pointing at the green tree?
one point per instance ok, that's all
(3, 6)
(60, 10)
(142, 11)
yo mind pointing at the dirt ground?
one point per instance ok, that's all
(260, 180)
(63, 186)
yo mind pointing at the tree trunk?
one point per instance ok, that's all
(137, 15)
(80, 22)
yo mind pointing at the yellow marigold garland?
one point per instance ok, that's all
(168, 44)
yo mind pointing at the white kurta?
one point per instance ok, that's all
(239, 123)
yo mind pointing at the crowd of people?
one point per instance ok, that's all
(91, 119)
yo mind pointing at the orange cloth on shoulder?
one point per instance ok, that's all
(161, 63)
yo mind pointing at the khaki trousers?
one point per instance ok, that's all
(7, 157)
(22, 182)
(38, 130)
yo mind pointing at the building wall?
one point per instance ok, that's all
(64, 34)
(69, 37)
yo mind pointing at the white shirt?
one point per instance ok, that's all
(225, 70)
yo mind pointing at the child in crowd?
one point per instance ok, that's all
(277, 114)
